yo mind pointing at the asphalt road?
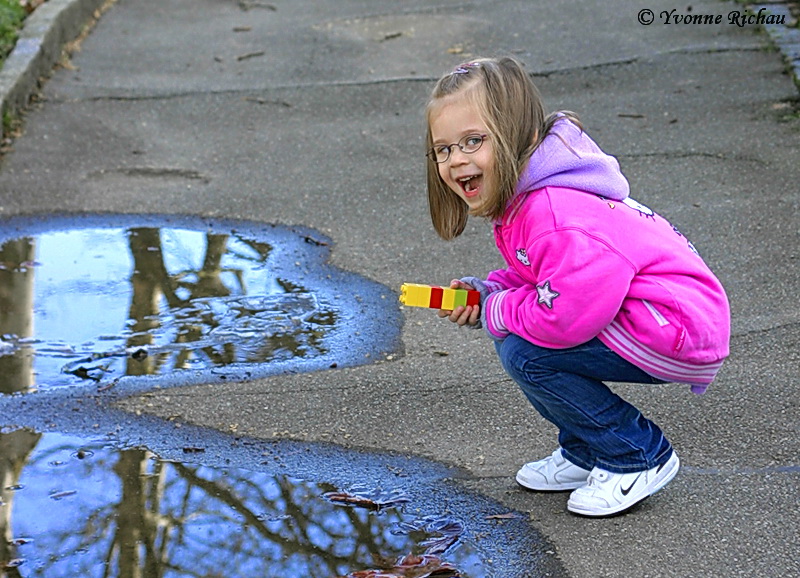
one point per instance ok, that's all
(309, 113)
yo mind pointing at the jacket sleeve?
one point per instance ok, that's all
(496, 281)
(504, 279)
(580, 285)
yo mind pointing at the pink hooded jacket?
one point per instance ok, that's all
(584, 260)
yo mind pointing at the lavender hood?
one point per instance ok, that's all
(568, 158)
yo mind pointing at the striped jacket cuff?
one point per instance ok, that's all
(491, 316)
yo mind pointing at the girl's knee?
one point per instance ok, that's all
(518, 356)
(506, 350)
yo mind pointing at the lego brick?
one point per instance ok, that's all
(415, 295)
(433, 297)
(460, 297)
(449, 299)
(436, 298)
(421, 295)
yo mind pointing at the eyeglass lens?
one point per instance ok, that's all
(468, 145)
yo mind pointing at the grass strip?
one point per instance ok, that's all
(12, 15)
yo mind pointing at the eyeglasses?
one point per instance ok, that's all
(467, 145)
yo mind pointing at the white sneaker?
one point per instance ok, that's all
(554, 473)
(607, 493)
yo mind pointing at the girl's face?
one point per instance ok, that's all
(452, 120)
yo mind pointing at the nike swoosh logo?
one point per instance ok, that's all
(626, 491)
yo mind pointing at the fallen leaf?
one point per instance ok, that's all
(250, 55)
(508, 516)
(59, 495)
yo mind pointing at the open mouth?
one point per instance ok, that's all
(471, 185)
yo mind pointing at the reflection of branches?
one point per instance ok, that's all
(208, 282)
(314, 535)
(160, 518)
(201, 316)
(197, 319)
(299, 544)
(225, 496)
(151, 281)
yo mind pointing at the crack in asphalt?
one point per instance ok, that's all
(695, 154)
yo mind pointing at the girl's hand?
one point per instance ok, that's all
(469, 315)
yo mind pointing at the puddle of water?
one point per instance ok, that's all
(94, 304)
(149, 300)
(76, 507)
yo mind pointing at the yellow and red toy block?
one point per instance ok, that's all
(433, 297)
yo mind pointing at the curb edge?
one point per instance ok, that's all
(39, 47)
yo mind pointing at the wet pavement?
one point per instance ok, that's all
(127, 512)
(99, 298)
(99, 306)
(309, 115)
(96, 308)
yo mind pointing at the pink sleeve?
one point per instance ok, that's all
(504, 279)
(580, 286)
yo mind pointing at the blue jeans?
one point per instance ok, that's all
(596, 426)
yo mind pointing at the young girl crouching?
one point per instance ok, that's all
(597, 287)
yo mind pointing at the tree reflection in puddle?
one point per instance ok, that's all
(72, 507)
(151, 296)
(138, 302)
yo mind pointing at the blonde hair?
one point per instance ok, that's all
(510, 105)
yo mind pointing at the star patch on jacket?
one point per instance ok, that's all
(546, 294)
(522, 257)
